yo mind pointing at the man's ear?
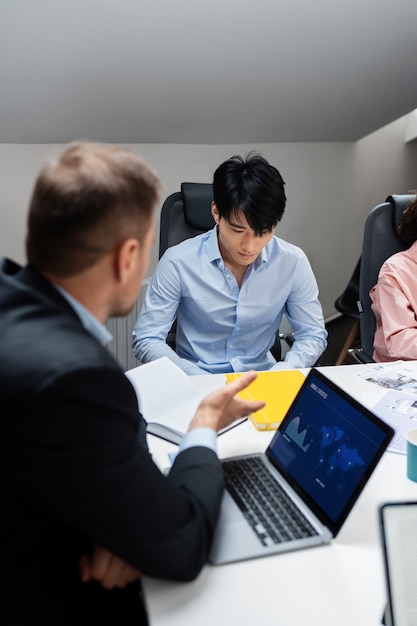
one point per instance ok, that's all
(215, 212)
(126, 258)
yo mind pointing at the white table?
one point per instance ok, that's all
(335, 585)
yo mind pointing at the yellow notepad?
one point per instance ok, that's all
(278, 389)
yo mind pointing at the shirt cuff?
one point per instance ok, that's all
(282, 365)
(206, 437)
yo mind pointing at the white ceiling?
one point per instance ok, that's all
(210, 72)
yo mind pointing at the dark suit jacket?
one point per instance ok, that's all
(76, 470)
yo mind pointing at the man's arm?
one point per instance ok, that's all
(87, 464)
(214, 412)
(398, 318)
(305, 315)
(157, 316)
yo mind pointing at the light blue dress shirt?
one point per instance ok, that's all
(198, 436)
(224, 328)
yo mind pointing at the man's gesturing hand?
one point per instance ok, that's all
(222, 407)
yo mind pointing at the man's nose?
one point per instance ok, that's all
(248, 242)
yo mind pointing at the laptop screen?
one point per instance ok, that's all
(327, 447)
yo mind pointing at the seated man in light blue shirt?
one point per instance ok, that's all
(229, 288)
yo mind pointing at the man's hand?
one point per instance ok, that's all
(222, 407)
(107, 568)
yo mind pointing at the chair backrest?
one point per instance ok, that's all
(185, 213)
(379, 242)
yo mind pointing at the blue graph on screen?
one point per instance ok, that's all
(298, 438)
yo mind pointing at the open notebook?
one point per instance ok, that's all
(321, 457)
(167, 398)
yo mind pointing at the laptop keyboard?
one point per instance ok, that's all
(264, 503)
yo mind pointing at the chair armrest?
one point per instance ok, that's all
(360, 355)
(276, 350)
(287, 337)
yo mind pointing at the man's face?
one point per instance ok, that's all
(238, 243)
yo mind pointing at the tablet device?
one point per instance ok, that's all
(398, 523)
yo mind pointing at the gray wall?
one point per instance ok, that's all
(330, 188)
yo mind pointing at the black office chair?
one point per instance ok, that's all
(187, 213)
(379, 242)
(347, 304)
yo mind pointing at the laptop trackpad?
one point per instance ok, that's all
(234, 539)
(229, 511)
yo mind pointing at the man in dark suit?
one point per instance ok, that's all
(84, 508)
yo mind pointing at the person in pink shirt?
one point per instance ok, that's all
(394, 297)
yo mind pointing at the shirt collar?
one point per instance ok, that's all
(264, 256)
(90, 323)
(212, 243)
(213, 250)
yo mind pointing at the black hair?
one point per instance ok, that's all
(253, 186)
(407, 227)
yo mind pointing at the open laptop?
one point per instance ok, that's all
(321, 457)
(398, 522)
